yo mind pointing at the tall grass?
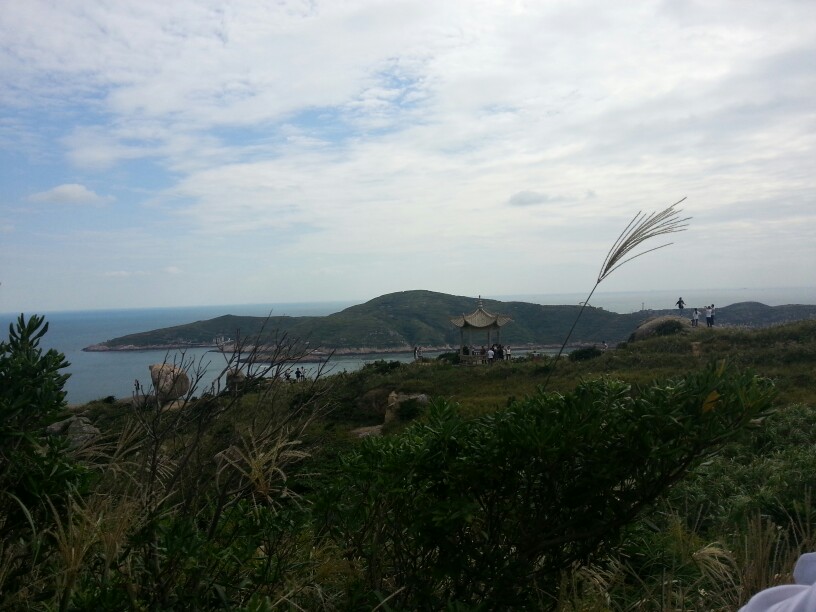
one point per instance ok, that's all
(641, 229)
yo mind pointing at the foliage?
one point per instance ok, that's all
(452, 358)
(566, 473)
(381, 366)
(669, 328)
(409, 409)
(32, 463)
(585, 353)
(263, 499)
(190, 506)
(36, 472)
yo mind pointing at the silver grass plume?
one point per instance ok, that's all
(641, 228)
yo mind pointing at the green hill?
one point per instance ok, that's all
(401, 320)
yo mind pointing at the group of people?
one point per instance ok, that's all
(300, 375)
(710, 311)
(496, 352)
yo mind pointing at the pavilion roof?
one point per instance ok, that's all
(480, 319)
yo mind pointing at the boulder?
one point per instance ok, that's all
(77, 429)
(234, 378)
(395, 400)
(171, 382)
(660, 326)
(174, 405)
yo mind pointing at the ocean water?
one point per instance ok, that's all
(98, 375)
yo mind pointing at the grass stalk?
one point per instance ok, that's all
(641, 228)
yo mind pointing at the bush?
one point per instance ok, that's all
(33, 465)
(409, 410)
(36, 473)
(489, 511)
(586, 353)
(452, 358)
(381, 366)
(669, 328)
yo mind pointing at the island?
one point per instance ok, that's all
(396, 322)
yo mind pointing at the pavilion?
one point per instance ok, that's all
(480, 321)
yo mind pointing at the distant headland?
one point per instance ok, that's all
(397, 322)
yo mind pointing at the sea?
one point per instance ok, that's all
(96, 375)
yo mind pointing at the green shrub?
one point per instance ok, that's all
(452, 358)
(409, 410)
(37, 475)
(381, 366)
(483, 512)
(669, 328)
(585, 353)
(33, 465)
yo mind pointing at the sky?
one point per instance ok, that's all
(181, 153)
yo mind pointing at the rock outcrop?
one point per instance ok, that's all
(235, 378)
(396, 399)
(170, 381)
(660, 326)
(77, 429)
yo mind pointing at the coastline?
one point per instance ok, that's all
(320, 354)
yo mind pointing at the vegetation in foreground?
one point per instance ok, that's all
(652, 477)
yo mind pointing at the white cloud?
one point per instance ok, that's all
(69, 193)
(414, 133)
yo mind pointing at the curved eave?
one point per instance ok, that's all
(480, 319)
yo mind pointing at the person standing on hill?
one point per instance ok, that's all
(695, 316)
(680, 304)
(709, 316)
(713, 312)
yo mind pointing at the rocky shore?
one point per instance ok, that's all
(316, 355)
(103, 348)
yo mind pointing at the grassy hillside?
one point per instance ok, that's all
(404, 319)
(736, 499)
(267, 497)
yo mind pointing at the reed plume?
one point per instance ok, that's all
(641, 228)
